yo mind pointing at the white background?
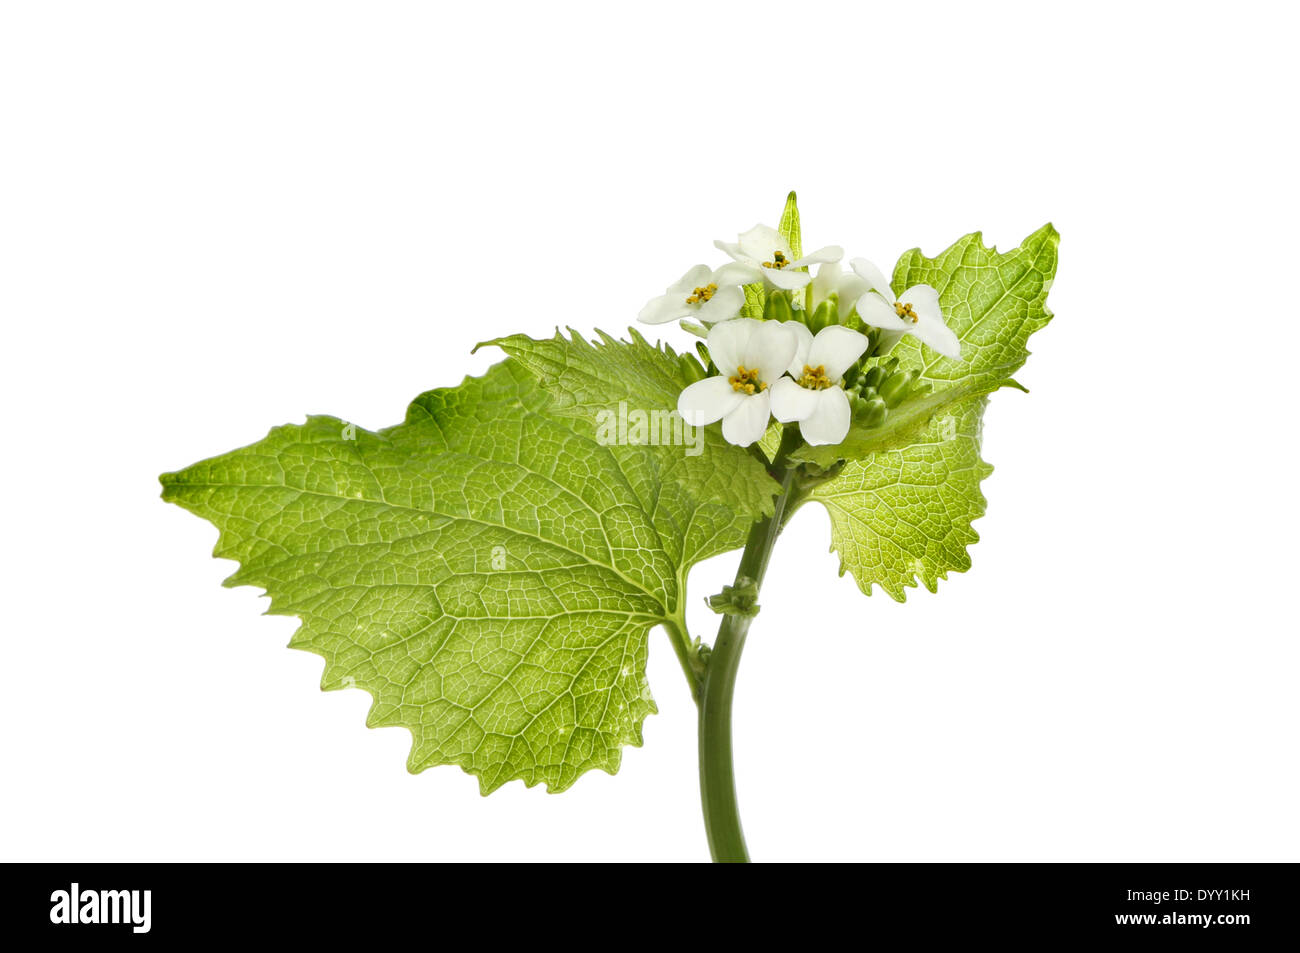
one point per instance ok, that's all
(220, 217)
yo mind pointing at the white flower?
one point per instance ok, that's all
(763, 255)
(847, 286)
(699, 294)
(813, 394)
(916, 311)
(750, 355)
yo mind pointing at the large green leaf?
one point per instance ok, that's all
(993, 301)
(903, 503)
(488, 570)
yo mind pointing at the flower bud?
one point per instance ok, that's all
(777, 307)
(895, 388)
(874, 377)
(826, 314)
(872, 413)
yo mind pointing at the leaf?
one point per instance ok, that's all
(590, 382)
(789, 225)
(993, 301)
(487, 570)
(755, 300)
(903, 504)
(905, 513)
(771, 441)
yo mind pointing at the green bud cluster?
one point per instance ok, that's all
(778, 307)
(876, 390)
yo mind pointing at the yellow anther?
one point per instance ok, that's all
(700, 295)
(905, 312)
(746, 381)
(778, 261)
(814, 378)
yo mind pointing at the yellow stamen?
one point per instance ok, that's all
(701, 295)
(905, 312)
(778, 261)
(814, 378)
(746, 381)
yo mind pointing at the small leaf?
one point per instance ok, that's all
(789, 226)
(906, 512)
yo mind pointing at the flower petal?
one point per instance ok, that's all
(728, 342)
(850, 289)
(770, 349)
(872, 275)
(887, 341)
(803, 342)
(829, 421)
(665, 308)
(762, 242)
(786, 279)
(724, 305)
(924, 301)
(829, 253)
(707, 401)
(792, 402)
(826, 282)
(836, 348)
(698, 276)
(733, 250)
(846, 286)
(737, 273)
(938, 335)
(931, 327)
(748, 422)
(875, 313)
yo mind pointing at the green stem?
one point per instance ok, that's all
(686, 655)
(717, 778)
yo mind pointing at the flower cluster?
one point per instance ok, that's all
(816, 332)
